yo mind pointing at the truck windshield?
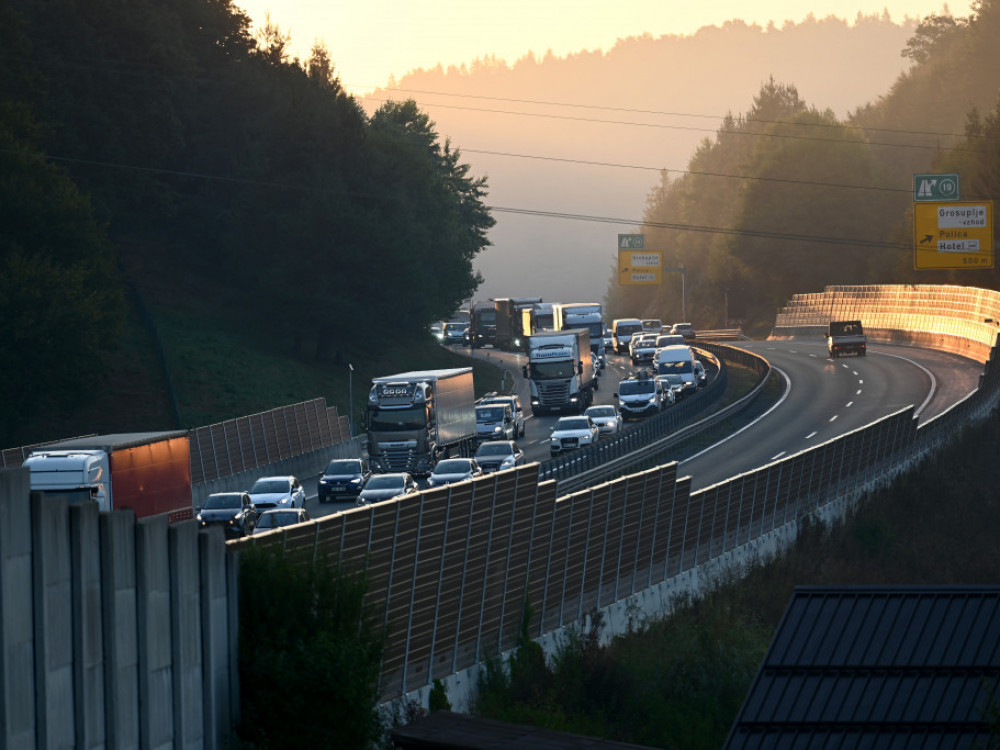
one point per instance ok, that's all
(396, 420)
(549, 370)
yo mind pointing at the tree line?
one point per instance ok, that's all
(144, 134)
(788, 198)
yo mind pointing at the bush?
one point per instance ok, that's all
(309, 655)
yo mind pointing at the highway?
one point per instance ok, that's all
(825, 398)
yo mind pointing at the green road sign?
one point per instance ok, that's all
(631, 242)
(933, 188)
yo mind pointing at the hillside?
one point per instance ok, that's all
(587, 135)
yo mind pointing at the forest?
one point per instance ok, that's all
(787, 198)
(147, 145)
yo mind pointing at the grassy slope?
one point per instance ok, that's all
(222, 368)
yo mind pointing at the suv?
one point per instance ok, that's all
(343, 478)
(496, 455)
(515, 404)
(684, 329)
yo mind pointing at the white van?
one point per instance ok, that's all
(680, 360)
(621, 333)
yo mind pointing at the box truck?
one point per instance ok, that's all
(416, 418)
(149, 472)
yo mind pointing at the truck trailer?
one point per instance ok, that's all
(147, 472)
(560, 371)
(416, 418)
(514, 322)
(589, 315)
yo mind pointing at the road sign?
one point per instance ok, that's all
(935, 188)
(639, 268)
(631, 242)
(953, 235)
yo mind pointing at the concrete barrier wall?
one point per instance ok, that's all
(113, 633)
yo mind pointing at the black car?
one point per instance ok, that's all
(343, 478)
(234, 511)
(497, 455)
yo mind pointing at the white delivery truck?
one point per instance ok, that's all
(560, 371)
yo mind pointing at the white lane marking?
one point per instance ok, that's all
(833, 418)
(861, 382)
(776, 456)
(849, 404)
(780, 401)
(858, 393)
(930, 395)
(811, 434)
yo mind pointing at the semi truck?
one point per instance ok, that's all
(589, 315)
(147, 472)
(560, 371)
(416, 418)
(846, 337)
(514, 322)
(482, 325)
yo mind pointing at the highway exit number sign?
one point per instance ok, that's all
(932, 188)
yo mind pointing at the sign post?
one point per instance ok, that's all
(958, 234)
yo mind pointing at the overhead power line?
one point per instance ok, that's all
(636, 110)
(704, 229)
(664, 126)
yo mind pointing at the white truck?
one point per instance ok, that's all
(416, 418)
(560, 371)
(147, 472)
(589, 315)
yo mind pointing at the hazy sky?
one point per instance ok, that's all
(371, 40)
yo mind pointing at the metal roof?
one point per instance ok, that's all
(878, 667)
(445, 730)
(112, 441)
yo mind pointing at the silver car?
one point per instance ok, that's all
(607, 419)
(278, 492)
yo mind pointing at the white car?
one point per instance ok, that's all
(572, 432)
(607, 419)
(278, 492)
(674, 385)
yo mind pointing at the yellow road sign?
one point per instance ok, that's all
(637, 268)
(957, 234)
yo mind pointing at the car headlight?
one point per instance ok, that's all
(509, 461)
(284, 501)
(431, 482)
(355, 481)
(497, 430)
(198, 518)
(554, 440)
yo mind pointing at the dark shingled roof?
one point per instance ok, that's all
(444, 730)
(878, 667)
